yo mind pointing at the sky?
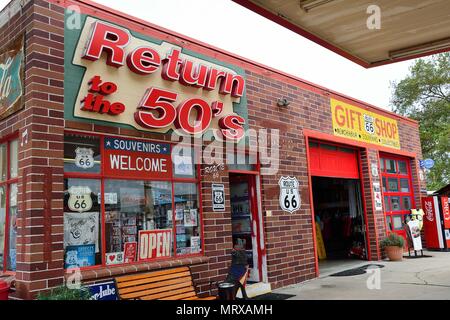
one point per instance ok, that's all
(229, 26)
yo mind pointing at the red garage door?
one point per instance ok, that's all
(329, 160)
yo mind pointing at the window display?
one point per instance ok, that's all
(186, 218)
(82, 223)
(138, 205)
(2, 224)
(117, 218)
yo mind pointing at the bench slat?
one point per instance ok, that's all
(148, 292)
(167, 294)
(150, 279)
(155, 285)
(180, 296)
(154, 273)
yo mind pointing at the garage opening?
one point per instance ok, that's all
(338, 207)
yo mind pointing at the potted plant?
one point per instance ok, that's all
(64, 293)
(393, 246)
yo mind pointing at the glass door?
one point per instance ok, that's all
(244, 215)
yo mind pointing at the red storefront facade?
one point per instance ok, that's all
(90, 172)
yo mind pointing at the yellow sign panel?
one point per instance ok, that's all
(359, 124)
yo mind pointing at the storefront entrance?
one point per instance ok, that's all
(246, 221)
(338, 205)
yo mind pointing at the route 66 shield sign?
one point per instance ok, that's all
(289, 195)
(80, 199)
(84, 158)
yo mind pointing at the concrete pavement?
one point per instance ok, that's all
(421, 278)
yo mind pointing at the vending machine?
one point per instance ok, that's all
(436, 222)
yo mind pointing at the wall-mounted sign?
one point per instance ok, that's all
(359, 124)
(80, 199)
(11, 75)
(374, 169)
(151, 85)
(137, 159)
(427, 163)
(218, 197)
(84, 158)
(289, 195)
(154, 244)
(103, 291)
(377, 196)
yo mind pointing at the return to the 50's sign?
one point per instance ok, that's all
(359, 124)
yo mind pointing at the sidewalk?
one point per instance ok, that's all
(421, 278)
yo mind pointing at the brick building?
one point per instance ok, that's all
(79, 126)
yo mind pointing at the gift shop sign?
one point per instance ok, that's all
(128, 158)
(154, 244)
(153, 87)
(359, 124)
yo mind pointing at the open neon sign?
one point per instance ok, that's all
(157, 109)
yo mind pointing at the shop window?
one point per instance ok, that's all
(328, 147)
(13, 158)
(121, 223)
(11, 265)
(393, 184)
(8, 209)
(132, 206)
(404, 185)
(82, 221)
(397, 222)
(382, 165)
(313, 144)
(184, 163)
(2, 224)
(395, 204)
(390, 166)
(402, 169)
(187, 218)
(384, 185)
(3, 162)
(82, 154)
(386, 204)
(406, 203)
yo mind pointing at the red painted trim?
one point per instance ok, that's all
(313, 220)
(324, 43)
(382, 193)
(363, 200)
(341, 140)
(139, 25)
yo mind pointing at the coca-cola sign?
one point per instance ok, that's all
(429, 210)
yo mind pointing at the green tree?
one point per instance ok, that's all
(424, 95)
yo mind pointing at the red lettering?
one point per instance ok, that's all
(112, 40)
(213, 76)
(160, 101)
(232, 127)
(96, 103)
(143, 60)
(191, 76)
(340, 119)
(203, 118)
(232, 84)
(170, 68)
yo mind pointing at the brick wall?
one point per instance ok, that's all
(40, 230)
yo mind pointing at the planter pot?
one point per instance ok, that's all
(394, 253)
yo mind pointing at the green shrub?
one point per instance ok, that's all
(64, 293)
(393, 240)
